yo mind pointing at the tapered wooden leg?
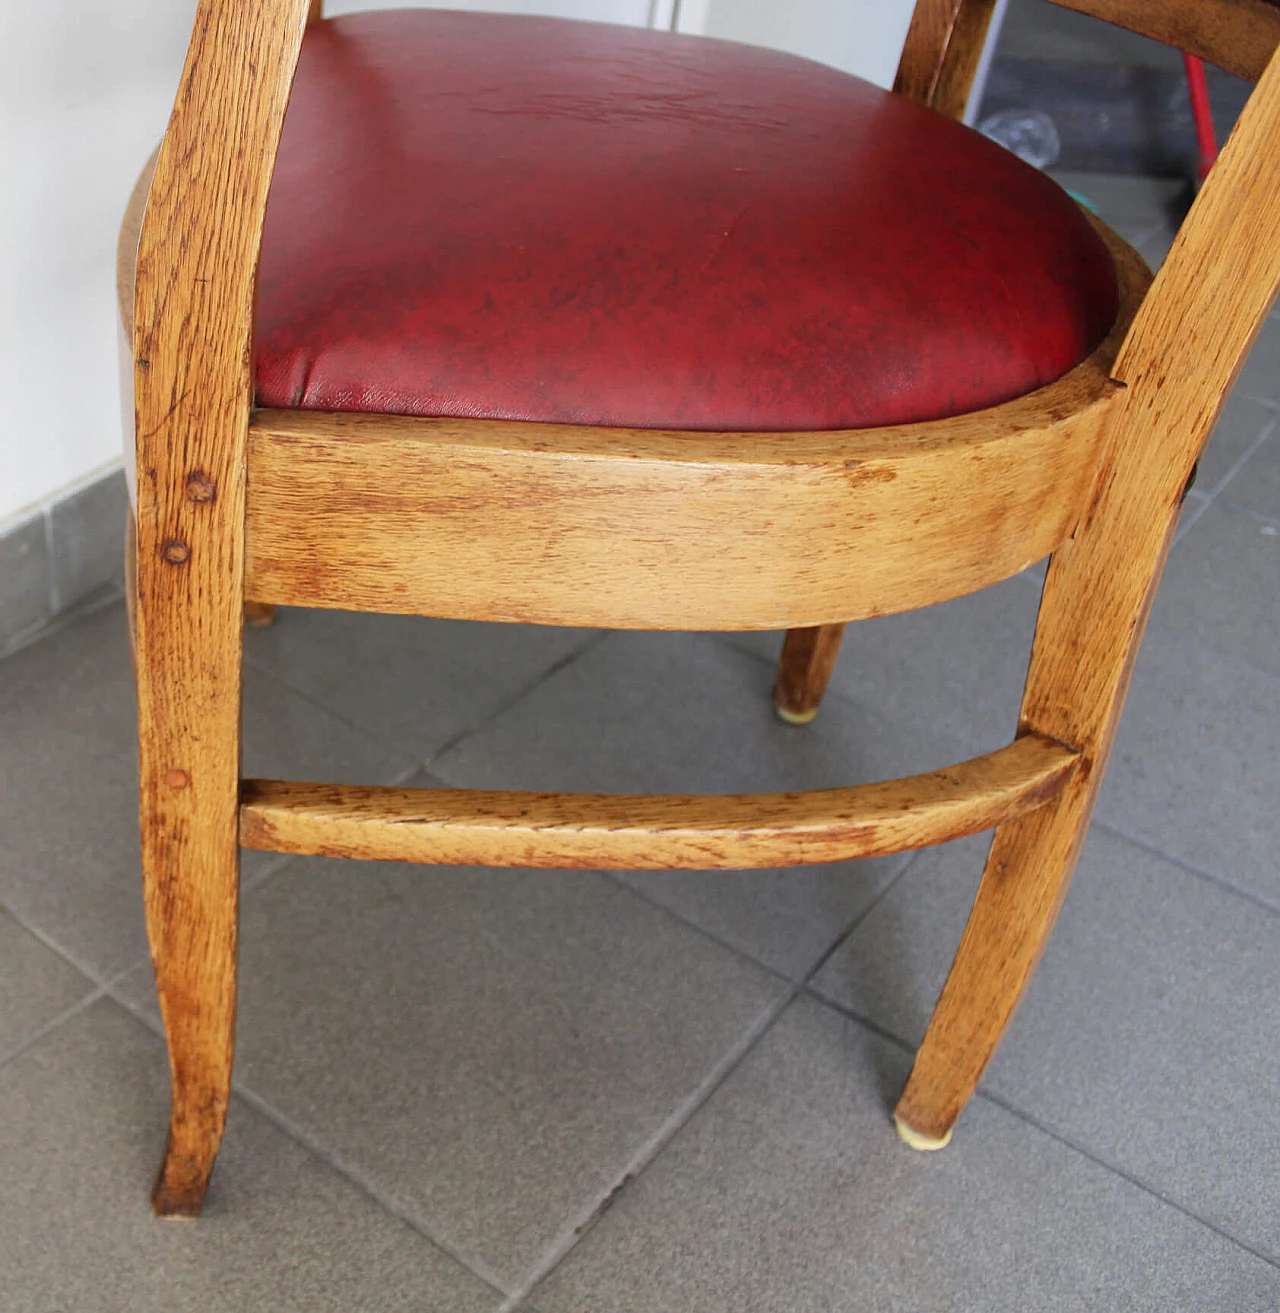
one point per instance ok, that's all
(1094, 608)
(188, 676)
(259, 615)
(1022, 888)
(808, 658)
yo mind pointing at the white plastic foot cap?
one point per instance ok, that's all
(794, 717)
(914, 1140)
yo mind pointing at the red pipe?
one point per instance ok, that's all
(1201, 114)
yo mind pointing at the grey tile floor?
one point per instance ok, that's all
(544, 1091)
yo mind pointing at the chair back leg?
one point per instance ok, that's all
(804, 670)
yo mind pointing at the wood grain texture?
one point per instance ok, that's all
(1238, 35)
(196, 264)
(1177, 365)
(487, 520)
(501, 522)
(943, 47)
(646, 832)
(804, 670)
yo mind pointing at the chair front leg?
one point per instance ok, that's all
(189, 712)
(804, 670)
(1025, 880)
(1096, 600)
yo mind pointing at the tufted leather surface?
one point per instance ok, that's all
(529, 218)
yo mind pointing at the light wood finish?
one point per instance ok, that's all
(628, 528)
(1177, 365)
(1238, 35)
(650, 832)
(551, 524)
(804, 670)
(197, 258)
(943, 47)
(938, 64)
(827, 528)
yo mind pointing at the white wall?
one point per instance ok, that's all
(85, 90)
(863, 38)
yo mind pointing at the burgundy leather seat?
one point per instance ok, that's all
(528, 218)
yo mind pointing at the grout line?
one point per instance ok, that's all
(578, 1227)
(912, 857)
(1202, 502)
(28, 1041)
(1241, 461)
(1261, 516)
(1069, 1142)
(591, 641)
(1059, 1136)
(472, 1262)
(274, 677)
(1271, 403)
(619, 879)
(287, 1127)
(96, 978)
(1258, 900)
(98, 600)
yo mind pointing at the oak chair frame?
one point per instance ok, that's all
(234, 504)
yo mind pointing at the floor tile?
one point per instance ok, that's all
(1221, 588)
(784, 918)
(35, 984)
(24, 579)
(959, 666)
(656, 712)
(691, 713)
(413, 681)
(892, 968)
(88, 539)
(491, 1047)
(1260, 376)
(68, 782)
(1195, 771)
(1257, 487)
(789, 1191)
(1149, 1035)
(83, 1125)
(1237, 431)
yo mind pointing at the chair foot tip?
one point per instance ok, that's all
(914, 1140)
(176, 1205)
(789, 717)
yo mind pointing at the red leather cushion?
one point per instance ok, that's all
(529, 218)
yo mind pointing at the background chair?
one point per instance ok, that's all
(1012, 389)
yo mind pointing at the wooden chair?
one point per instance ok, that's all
(1016, 387)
